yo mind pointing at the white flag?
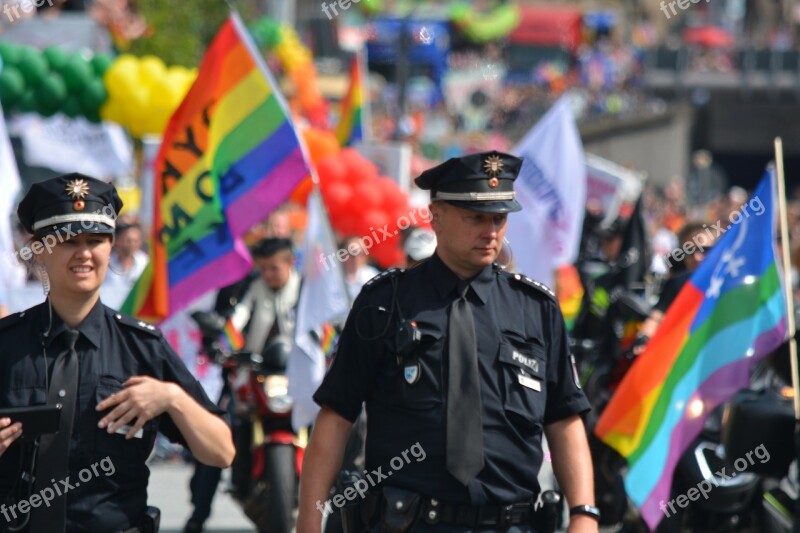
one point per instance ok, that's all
(68, 144)
(552, 190)
(323, 298)
(10, 185)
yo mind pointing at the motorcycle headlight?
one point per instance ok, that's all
(277, 389)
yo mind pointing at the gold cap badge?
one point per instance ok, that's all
(493, 166)
(78, 190)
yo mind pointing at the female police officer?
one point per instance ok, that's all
(465, 361)
(116, 380)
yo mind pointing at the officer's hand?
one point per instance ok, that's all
(8, 433)
(142, 399)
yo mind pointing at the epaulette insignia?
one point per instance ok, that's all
(535, 284)
(137, 324)
(12, 319)
(383, 277)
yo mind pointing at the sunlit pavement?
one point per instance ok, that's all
(169, 491)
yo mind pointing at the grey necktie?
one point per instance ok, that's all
(464, 412)
(53, 455)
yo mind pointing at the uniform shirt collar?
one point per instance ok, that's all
(91, 327)
(446, 280)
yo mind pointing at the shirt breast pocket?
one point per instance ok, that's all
(414, 382)
(135, 449)
(523, 366)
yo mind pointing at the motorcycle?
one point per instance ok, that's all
(269, 454)
(746, 457)
(602, 364)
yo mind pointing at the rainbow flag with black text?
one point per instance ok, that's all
(728, 316)
(230, 155)
(351, 126)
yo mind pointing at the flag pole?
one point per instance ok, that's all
(787, 288)
(787, 276)
(366, 110)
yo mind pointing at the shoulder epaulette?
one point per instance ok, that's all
(383, 277)
(12, 319)
(137, 324)
(525, 280)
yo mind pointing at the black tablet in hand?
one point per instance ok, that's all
(35, 420)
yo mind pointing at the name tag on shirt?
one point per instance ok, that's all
(531, 383)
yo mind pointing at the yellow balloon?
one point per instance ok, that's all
(151, 69)
(120, 78)
(113, 111)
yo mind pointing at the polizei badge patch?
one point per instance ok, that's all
(411, 373)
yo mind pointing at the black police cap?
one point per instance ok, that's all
(73, 202)
(481, 182)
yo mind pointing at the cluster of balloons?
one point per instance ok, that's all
(485, 27)
(143, 93)
(52, 81)
(359, 200)
(297, 62)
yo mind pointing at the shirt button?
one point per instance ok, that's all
(62, 393)
(432, 515)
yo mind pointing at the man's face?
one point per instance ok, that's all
(467, 240)
(275, 269)
(129, 241)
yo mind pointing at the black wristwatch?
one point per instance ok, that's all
(587, 510)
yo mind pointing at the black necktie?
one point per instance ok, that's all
(464, 412)
(53, 456)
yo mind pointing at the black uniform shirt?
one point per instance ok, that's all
(111, 349)
(519, 331)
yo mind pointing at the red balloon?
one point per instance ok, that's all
(331, 169)
(393, 196)
(346, 224)
(388, 254)
(336, 196)
(368, 194)
(373, 221)
(359, 169)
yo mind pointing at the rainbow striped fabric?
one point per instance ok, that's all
(230, 155)
(730, 314)
(231, 338)
(351, 127)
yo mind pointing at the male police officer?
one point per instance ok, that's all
(460, 359)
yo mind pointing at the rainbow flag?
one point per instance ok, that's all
(231, 338)
(351, 125)
(730, 314)
(230, 155)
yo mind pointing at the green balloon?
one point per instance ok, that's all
(12, 86)
(77, 73)
(52, 91)
(32, 65)
(9, 52)
(93, 96)
(93, 116)
(45, 107)
(55, 57)
(100, 64)
(28, 101)
(72, 106)
(267, 32)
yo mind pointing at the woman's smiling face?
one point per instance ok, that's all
(78, 265)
